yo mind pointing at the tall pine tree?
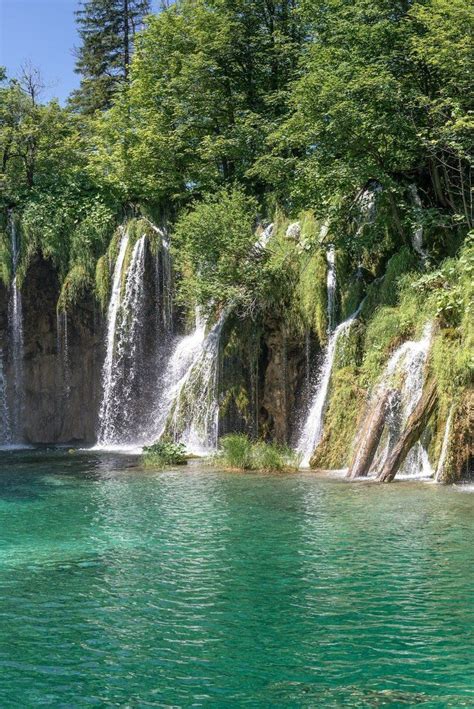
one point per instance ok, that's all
(107, 29)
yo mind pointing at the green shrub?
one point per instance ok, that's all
(311, 292)
(75, 285)
(163, 453)
(102, 282)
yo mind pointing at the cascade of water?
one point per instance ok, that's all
(124, 346)
(5, 433)
(62, 335)
(188, 407)
(408, 361)
(331, 287)
(264, 237)
(195, 417)
(417, 239)
(313, 427)
(183, 357)
(163, 283)
(15, 322)
(106, 409)
(444, 447)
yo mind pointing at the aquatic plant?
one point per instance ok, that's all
(237, 451)
(164, 453)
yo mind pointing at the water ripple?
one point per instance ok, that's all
(121, 587)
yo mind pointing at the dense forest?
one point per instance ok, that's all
(347, 124)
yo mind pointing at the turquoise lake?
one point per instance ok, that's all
(129, 588)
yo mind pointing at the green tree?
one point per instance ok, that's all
(66, 213)
(107, 29)
(209, 83)
(384, 94)
(212, 244)
(443, 47)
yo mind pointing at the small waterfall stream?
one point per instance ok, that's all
(409, 360)
(313, 427)
(5, 433)
(15, 325)
(417, 238)
(123, 366)
(444, 447)
(195, 415)
(62, 335)
(408, 364)
(187, 409)
(331, 287)
(109, 382)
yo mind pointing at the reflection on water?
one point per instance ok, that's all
(126, 587)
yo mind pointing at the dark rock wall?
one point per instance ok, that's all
(52, 413)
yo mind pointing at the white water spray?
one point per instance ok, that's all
(313, 427)
(444, 447)
(417, 239)
(125, 362)
(408, 362)
(264, 238)
(188, 407)
(15, 322)
(331, 283)
(106, 410)
(62, 335)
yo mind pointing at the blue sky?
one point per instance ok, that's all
(43, 32)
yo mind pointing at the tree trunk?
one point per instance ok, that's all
(370, 436)
(415, 426)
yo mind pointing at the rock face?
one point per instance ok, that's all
(283, 377)
(293, 231)
(59, 407)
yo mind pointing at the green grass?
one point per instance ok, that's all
(237, 451)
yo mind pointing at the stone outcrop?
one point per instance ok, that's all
(50, 413)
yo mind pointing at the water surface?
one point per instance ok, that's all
(124, 587)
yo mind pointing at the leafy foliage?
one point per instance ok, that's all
(164, 453)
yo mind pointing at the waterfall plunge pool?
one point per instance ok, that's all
(125, 587)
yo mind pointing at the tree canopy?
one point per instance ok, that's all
(297, 103)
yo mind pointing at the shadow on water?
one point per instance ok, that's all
(28, 474)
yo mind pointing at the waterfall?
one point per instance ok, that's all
(183, 356)
(15, 323)
(62, 335)
(313, 427)
(195, 417)
(417, 239)
(264, 238)
(444, 447)
(108, 374)
(125, 328)
(187, 408)
(331, 287)
(5, 433)
(408, 361)
(163, 284)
